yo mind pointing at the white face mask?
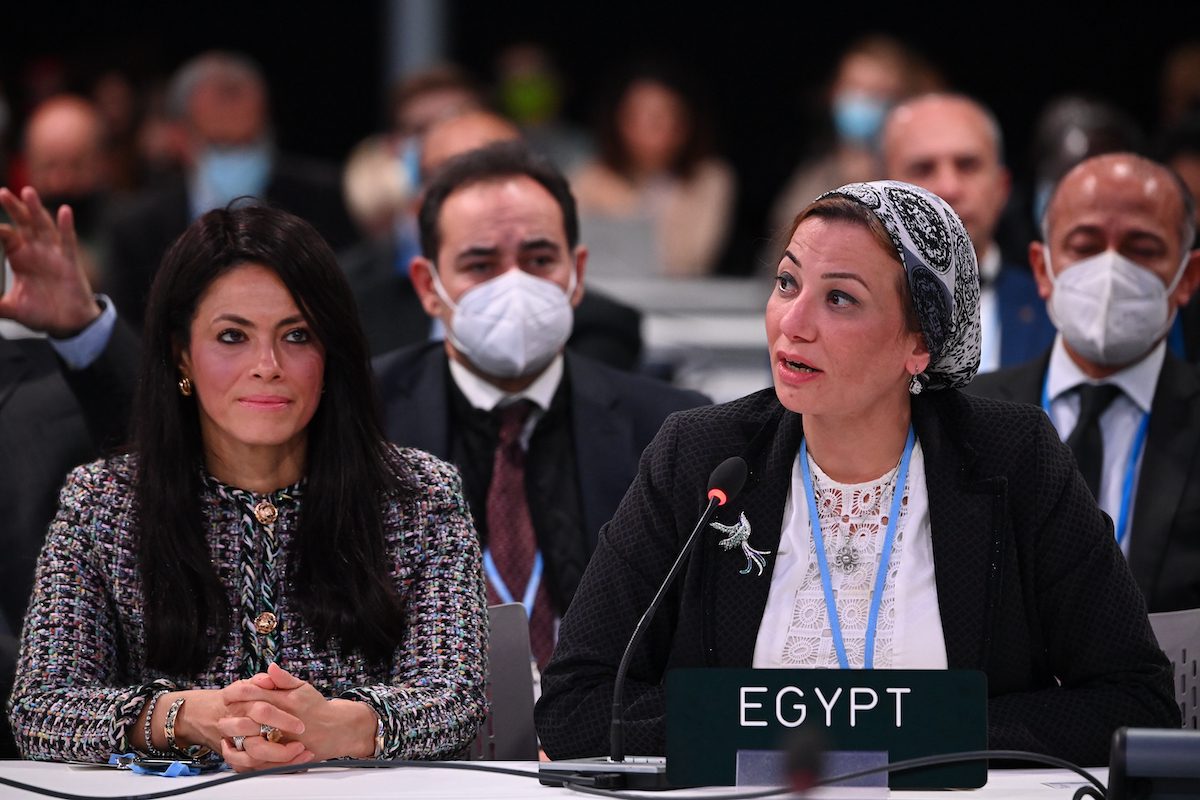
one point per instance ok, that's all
(512, 325)
(1111, 310)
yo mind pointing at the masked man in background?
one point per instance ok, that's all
(222, 110)
(547, 440)
(1114, 268)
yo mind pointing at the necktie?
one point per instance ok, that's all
(1086, 441)
(511, 538)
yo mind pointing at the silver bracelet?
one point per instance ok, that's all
(169, 725)
(150, 748)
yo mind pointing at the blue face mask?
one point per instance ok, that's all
(408, 162)
(858, 117)
(226, 173)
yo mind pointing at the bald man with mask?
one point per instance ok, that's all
(1114, 268)
(951, 145)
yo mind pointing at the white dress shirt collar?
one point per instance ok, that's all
(989, 264)
(1137, 380)
(486, 396)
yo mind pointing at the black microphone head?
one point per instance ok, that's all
(727, 479)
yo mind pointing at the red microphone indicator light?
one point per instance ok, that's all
(727, 480)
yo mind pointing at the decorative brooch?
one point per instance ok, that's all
(739, 534)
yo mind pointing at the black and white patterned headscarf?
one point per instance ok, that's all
(943, 276)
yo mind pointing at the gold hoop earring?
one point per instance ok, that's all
(185, 386)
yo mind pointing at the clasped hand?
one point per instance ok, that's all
(313, 728)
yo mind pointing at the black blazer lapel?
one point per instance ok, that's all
(734, 602)
(1171, 446)
(416, 401)
(605, 457)
(1020, 384)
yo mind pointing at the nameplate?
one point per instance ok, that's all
(712, 714)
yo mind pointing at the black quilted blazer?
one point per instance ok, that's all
(1031, 585)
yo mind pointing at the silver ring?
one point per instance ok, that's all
(239, 743)
(270, 733)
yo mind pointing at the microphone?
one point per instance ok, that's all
(724, 484)
(727, 480)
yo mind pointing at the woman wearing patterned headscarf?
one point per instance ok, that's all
(888, 521)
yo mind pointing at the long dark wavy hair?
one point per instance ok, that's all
(342, 586)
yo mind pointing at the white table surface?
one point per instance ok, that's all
(419, 782)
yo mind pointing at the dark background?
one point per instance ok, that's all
(763, 66)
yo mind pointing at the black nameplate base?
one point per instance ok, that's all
(714, 713)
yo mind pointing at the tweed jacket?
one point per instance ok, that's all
(1031, 586)
(82, 677)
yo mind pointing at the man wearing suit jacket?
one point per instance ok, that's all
(220, 100)
(547, 441)
(62, 398)
(1114, 268)
(951, 145)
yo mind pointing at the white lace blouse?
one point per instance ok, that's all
(795, 630)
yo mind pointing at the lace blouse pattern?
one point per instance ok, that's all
(854, 522)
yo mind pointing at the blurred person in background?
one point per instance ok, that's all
(220, 100)
(120, 107)
(657, 200)
(531, 91)
(418, 102)
(160, 140)
(952, 145)
(65, 160)
(431, 95)
(1179, 149)
(1069, 130)
(1179, 84)
(382, 195)
(874, 73)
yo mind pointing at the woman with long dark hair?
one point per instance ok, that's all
(261, 575)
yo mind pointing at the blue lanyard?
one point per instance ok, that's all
(885, 557)
(506, 596)
(1139, 444)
